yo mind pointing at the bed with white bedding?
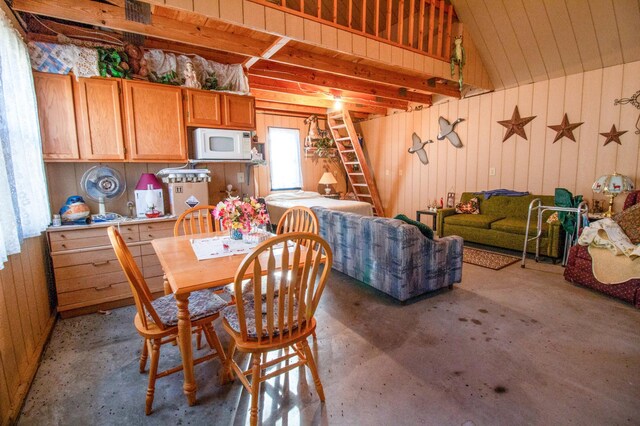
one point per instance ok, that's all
(277, 204)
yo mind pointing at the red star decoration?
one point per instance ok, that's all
(565, 129)
(515, 126)
(613, 135)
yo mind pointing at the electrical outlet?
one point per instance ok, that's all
(400, 172)
(240, 177)
(492, 171)
(386, 172)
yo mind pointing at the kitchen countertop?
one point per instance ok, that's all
(124, 221)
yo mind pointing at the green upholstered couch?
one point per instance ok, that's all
(502, 223)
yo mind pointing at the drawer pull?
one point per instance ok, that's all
(63, 245)
(63, 236)
(104, 287)
(106, 262)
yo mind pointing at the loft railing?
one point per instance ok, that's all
(424, 26)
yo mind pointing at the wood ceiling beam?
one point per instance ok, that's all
(329, 94)
(326, 61)
(291, 73)
(105, 15)
(288, 108)
(269, 52)
(288, 98)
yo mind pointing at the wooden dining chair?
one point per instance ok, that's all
(298, 219)
(280, 312)
(157, 320)
(196, 220)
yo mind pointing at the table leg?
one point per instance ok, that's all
(184, 341)
(166, 286)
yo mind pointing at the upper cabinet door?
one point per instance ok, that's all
(239, 112)
(155, 124)
(203, 108)
(100, 119)
(54, 93)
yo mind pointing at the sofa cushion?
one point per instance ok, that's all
(424, 229)
(509, 206)
(514, 225)
(629, 221)
(473, 220)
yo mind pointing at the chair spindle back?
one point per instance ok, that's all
(298, 219)
(197, 220)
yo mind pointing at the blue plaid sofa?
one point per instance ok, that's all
(390, 255)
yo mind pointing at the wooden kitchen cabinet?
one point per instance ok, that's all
(239, 112)
(99, 116)
(203, 108)
(54, 94)
(155, 126)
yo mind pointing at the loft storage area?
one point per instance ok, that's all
(213, 204)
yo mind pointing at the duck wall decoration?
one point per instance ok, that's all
(446, 132)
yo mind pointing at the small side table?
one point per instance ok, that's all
(431, 213)
(332, 196)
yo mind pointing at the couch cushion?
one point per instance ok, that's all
(473, 220)
(509, 206)
(629, 221)
(514, 225)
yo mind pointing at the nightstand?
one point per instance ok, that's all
(431, 213)
(332, 196)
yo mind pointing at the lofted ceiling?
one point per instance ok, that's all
(523, 41)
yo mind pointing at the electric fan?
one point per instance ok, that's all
(102, 184)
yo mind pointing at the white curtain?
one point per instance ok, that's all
(24, 208)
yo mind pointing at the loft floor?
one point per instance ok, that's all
(516, 346)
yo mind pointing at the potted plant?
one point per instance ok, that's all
(239, 216)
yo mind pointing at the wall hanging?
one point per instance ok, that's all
(613, 135)
(418, 148)
(447, 131)
(515, 126)
(457, 58)
(565, 129)
(633, 100)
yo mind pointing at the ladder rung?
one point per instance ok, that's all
(336, 116)
(351, 162)
(339, 126)
(360, 184)
(363, 195)
(343, 139)
(355, 174)
(348, 150)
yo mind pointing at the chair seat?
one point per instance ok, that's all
(247, 290)
(230, 314)
(202, 303)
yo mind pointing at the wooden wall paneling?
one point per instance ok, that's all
(207, 7)
(274, 21)
(439, 184)
(569, 149)
(5, 403)
(38, 262)
(402, 160)
(422, 129)
(452, 152)
(231, 10)
(628, 152)
(523, 148)
(294, 26)
(329, 37)
(544, 37)
(506, 34)
(555, 112)
(585, 34)
(180, 4)
(393, 169)
(28, 305)
(607, 31)
(538, 137)
(499, 111)
(254, 15)
(589, 137)
(507, 170)
(10, 347)
(627, 17)
(558, 16)
(471, 147)
(409, 163)
(312, 32)
(461, 153)
(484, 143)
(525, 35)
(609, 114)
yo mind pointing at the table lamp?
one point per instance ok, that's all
(328, 179)
(611, 186)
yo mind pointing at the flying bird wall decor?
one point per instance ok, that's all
(446, 132)
(418, 148)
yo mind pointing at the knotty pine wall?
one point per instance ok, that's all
(312, 169)
(26, 319)
(537, 165)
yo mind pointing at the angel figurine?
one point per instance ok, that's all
(190, 77)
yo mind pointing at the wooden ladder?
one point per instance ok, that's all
(353, 159)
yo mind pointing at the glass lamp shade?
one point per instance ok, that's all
(613, 184)
(328, 179)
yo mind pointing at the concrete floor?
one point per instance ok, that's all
(513, 347)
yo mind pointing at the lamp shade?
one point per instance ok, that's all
(612, 184)
(147, 179)
(328, 179)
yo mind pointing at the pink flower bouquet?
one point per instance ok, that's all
(241, 215)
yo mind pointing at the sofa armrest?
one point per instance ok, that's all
(442, 213)
(554, 248)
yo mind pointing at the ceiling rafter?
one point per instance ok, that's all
(288, 98)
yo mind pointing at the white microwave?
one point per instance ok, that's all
(220, 144)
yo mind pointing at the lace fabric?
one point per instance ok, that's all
(23, 192)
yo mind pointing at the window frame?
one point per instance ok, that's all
(271, 154)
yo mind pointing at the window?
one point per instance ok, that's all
(284, 158)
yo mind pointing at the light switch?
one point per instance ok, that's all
(240, 177)
(492, 171)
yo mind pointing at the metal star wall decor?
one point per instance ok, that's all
(613, 135)
(565, 129)
(515, 126)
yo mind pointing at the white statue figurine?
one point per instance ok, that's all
(190, 77)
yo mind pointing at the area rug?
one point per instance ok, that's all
(487, 259)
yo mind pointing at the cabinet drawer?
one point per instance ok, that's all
(150, 260)
(146, 249)
(153, 234)
(89, 233)
(97, 281)
(153, 271)
(89, 257)
(155, 284)
(148, 227)
(88, 270)
(93, 295)
(90, 242)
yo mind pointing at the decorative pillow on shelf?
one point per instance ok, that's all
(629, 221)
(470, 207)
(424, 229)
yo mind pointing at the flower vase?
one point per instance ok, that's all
(235, 234)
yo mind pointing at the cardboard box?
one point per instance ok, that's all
(185, 195)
